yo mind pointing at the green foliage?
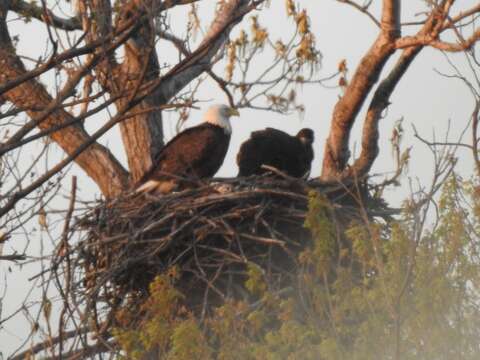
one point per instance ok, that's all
(406, 295)
(322, 229)
(166, 329)
(188, 342)
(255, 282)
(394, 292)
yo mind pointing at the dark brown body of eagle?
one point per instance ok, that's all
(194, 154)
(292, 155)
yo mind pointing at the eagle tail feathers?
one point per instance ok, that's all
(157, 187)
(147, 186)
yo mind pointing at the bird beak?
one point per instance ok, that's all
(233, 112)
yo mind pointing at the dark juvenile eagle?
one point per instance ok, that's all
(291, 154)
(195, 153)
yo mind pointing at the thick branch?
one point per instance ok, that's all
(368, 71)
(390, 24)
(379, 103)
(142, 134)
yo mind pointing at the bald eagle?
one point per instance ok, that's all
(290, 154)
(195, 153)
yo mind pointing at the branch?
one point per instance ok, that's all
(475, 138)
(381, 98)
(227, 16)
(49, 343)
(367, 73)
(13, 257)
(55, 59)
(379, 103)
(31, 10)
(429, 40)
(449, 23)
(362, 9)
(178, 43)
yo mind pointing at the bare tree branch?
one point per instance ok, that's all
(44, 345)
(379, 103)
(362, 9)
(336, 153)
(230, 14)
(367, 73)
(430, 40)
(32, 10)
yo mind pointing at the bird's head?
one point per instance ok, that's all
(219, 115)
(306, 136)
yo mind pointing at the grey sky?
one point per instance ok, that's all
(423, 98)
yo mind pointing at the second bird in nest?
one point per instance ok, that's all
(292, 155)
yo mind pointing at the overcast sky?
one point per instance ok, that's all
(423, 98)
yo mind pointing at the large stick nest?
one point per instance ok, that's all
(210, 233)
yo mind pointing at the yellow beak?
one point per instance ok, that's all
(233, 112)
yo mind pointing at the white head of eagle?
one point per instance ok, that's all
(219, 115)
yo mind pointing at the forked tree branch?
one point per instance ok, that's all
(379, 103)
(336, 152)
(381, 98)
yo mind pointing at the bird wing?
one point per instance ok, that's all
(183, 153)
(270, 132)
